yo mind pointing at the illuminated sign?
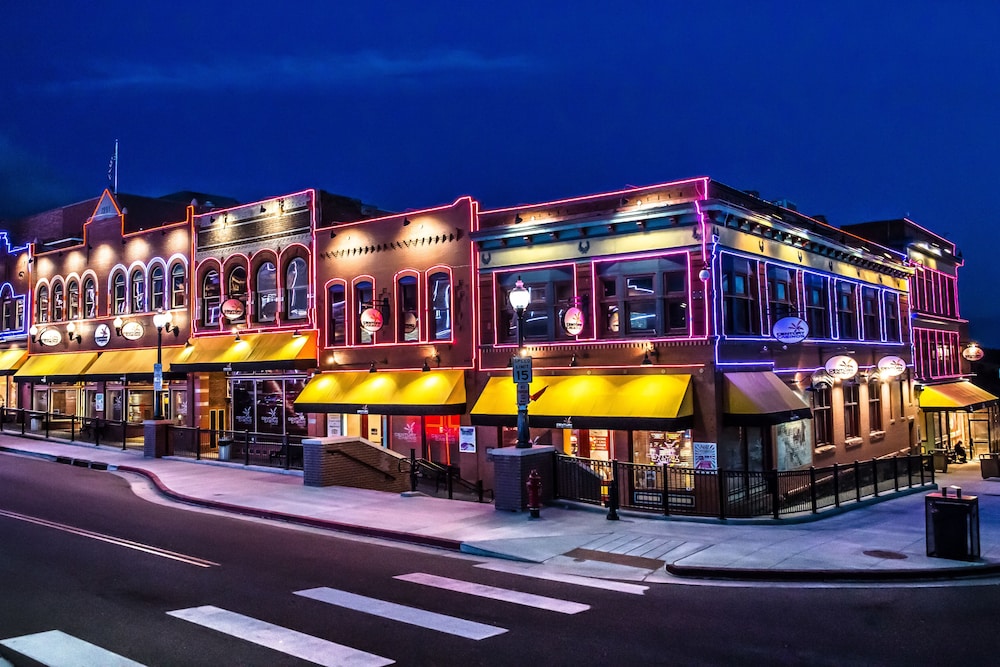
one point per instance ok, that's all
(572, 321)
(841, 367)
(891, 366)
(790, 330)
(972, 352)
(371, 320)
(102, 335)
(50, 337)
(132, 330)
(233, 309)
(410, 322)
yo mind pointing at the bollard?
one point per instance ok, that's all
(534, 485)
(613, 500)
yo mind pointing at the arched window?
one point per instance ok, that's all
(7, 308)
(407, 316)
(119, 298)
(89, 298)
(296, 290)
(178, 286)
(364, 295)
(58, 302)
(439, 300)
(73, 299)
(337, 302)
(236, 288)
(211, 293)
(138, 280)
(42, 304)
(266, 286)
(157, 288)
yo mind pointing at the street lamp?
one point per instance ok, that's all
(161, 320)
(519, 298)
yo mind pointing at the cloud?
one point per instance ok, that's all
(365, 68)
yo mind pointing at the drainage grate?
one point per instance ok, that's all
(882, 553)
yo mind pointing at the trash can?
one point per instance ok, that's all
(940, 460)
(989, 465)
(225, 448)
(952, 525)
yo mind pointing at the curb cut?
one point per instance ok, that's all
(398, 536)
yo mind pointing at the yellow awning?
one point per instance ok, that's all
(55, 367)
(137, 362)
(625, 402)
(385, 393)
(760, 399)
(267, 351)
(11, 360)
(954, 396)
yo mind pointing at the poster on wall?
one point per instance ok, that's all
(794, 442)
(706, 456)
(467, 439)
(333, 425)
(405, 433)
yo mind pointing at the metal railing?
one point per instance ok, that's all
(247, 447)
(91, 430)
(734, 494)
(422, 470)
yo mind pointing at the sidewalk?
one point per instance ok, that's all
(879, 541)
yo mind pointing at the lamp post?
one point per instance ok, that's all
(161, 320)
(519, 298)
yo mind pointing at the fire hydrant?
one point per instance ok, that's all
(534, 485)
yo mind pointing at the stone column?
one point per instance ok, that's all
(511, 467)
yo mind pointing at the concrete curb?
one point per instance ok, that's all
(985, 570)
(367, 531)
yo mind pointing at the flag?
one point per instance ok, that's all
(113, 169)
(538, 394)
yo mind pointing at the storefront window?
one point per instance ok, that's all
(266, 405)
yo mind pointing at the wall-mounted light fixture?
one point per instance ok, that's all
(518, 219)
(436, 357)
(118, 324)
(406, 222)
(72, 333)
(262, 209)
(371, 368)
(33, 332)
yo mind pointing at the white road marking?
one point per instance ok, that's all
(58, 649)
(118, 541)
(493, 593)
(289, 642)
(575, 579)
(404, 614)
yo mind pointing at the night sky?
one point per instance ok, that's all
(854, 110)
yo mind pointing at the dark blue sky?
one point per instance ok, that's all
(855, 110)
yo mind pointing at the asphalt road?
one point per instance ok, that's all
(162, 585)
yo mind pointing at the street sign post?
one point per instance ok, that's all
(523, 394)
(521, 370)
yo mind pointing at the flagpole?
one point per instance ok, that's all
(116, 167)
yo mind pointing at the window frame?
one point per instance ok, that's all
(740, 306)
(440, 311)
(822, 411)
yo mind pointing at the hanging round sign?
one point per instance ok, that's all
(572, 321)
(841, 367)
(233, 309)
(371, 320)
(102, 336)
(972, 352)
(790, 330)
(50, 337)
(891, 366)
(132, 330)
(410, 322)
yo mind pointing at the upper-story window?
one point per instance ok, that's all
(236, 288)
(852, 409)
(440, 304)
(12, 310)
(89, 298)
(178, 285)
(119, 293)
(296, 290)
(337, 303)
(138, 281)
(550, 291)
(740, 296)
(643, 297)
(211, 295)
(58, 302)
(781, 294)
(266, 291)
(874, 405)
(73, 299)
(817, 305)
(934, 293)
(890, 302)
(364, 298)
(822, 411)
(847, 309)
(408, 309)
(157, 288)
(870, 321)
(42, 304)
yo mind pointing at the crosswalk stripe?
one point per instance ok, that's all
(289, 642)
(549, 575)
(493, 593)
(397, 612)
(58, 649)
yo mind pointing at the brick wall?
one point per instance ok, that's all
(353, 462)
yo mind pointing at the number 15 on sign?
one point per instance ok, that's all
(521, 367)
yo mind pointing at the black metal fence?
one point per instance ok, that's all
(246, 447)
(734, 494)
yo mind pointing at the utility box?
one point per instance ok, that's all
(952, 524)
